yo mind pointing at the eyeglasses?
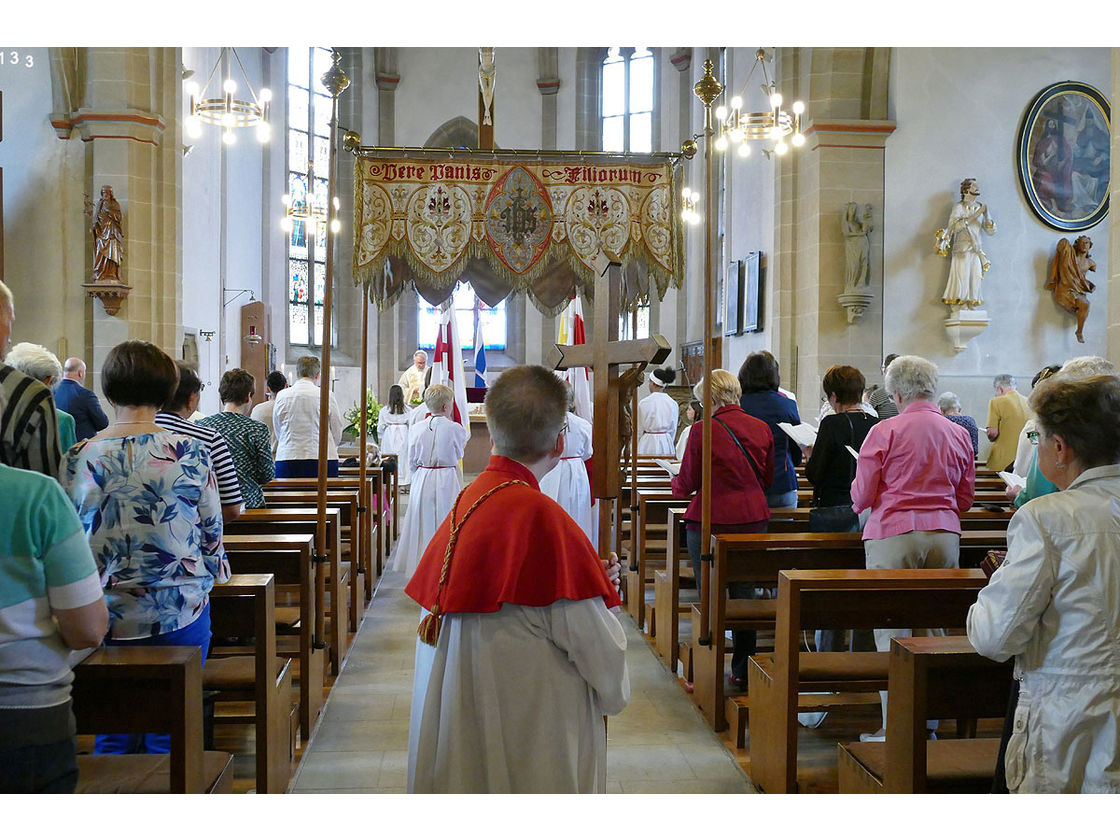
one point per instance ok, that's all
(1032, 436)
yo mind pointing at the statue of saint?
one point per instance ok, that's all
(1069, 279)
(486, 79)
(108, 239)
(968, 264)
(856, 226)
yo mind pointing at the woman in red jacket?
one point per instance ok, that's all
(742, 470)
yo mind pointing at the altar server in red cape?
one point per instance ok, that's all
(520, 655)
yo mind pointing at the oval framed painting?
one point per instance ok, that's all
(1063, 151)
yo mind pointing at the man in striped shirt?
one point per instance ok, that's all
(174, 416)
(28, 423)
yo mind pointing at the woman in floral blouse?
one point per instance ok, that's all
(248, 440)
(148, 502)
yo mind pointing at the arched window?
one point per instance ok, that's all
(308, 136)
(470, 314)
(627, 100)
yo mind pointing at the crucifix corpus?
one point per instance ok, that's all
(603, 353)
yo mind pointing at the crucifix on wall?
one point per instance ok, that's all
(603, 353)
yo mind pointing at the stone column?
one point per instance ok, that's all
(386, 77)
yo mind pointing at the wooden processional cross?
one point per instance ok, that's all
(603, 354)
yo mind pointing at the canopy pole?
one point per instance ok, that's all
(707, 89)
(634, 466)
(335, 81)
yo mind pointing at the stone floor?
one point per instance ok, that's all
(659, 744)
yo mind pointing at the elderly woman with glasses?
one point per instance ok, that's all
(916, 474)
(1054, 604)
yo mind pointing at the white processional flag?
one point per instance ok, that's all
(447, 367)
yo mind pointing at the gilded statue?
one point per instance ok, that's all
(856, 226)
(1069, 279)
(108, 239)
(969, 263)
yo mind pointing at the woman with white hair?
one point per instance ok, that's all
(915, 472)
(950, 407)
(39, 363)
(657, 416)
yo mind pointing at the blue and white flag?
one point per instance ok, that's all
(479, 357)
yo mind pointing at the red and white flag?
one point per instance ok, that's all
(572, 332)
(447, 365)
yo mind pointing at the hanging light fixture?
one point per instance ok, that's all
(738, 127)
(309, 208)
(689, 201)
(226, 110)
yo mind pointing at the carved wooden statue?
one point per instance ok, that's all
(628, 381)
(1069, 279)
(108, 239)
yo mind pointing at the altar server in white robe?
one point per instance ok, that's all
(392, 432)
(520, 652)
(435, 447)
(568, 482)
(657, 416)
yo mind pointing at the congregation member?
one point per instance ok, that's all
(295, 418)
(43, 366)
(248, 440)
(657, 416)
(568, 483)
(393, 423)
(50, 604)
(435, 446)
(1054, 603)
(147, 498)
(174, 417)
(879, 397)
(415, 379)
(916, 474)
(949, 404)
(692, 413)
(1007, 412)
(78, 401)
(759, 379)
(1024, 448)
(274, 383)
(742, 470)
(520, 654)
(28, 423)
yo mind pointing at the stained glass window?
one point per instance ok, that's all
(309, 112)
(626, 102)
(470, 312)
(626, 323)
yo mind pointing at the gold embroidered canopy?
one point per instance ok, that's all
(514, 221)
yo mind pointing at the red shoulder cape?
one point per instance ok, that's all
(519, 547)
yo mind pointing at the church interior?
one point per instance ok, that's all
(831, 250)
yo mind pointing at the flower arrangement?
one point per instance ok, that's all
(353, 417)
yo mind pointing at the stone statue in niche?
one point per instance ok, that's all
(108, 239)
(486, 80)
(855, 225)
(1069, 279)
(968, 263)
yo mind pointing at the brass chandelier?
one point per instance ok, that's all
(226, 110)
(309, 208)
(739, 127)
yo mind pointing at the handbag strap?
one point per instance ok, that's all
(750, 460)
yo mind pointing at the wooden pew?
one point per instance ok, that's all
(931, 677)
(388, 482)
(666, 593)
(289, 558)
(347, 502)
(245, 607)
(282, 519)
(147, 689)
(859, 599)
(645, 549)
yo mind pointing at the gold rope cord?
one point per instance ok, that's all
(430, 626)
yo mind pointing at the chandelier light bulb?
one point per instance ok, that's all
(228, 137)
(799, 107)
(781, 148)
(736, 103)
(776, 133)
(721, 113)
(721, 143)
(775, 100)
(686, 193)
(192, 88)
(735, 135)
(798, 139)
(266, 95)
(264, 132)
(336, 226)
(744, 150)
(335, 202)
(229, 86)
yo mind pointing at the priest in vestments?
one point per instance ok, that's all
(520, 653)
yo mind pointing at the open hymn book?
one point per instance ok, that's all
(803, 434)
(1012, 480)
(671, 467)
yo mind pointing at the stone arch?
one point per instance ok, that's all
(457, 132)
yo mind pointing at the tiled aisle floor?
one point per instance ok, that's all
(659, 744)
